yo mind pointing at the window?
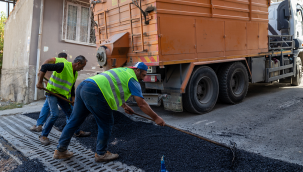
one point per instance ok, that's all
(78, 26)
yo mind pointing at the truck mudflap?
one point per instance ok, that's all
(173, 102)
(151, 98)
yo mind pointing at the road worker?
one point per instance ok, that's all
(62, 82)
(100, 95)
(45, 109)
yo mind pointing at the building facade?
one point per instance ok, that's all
(40, 29)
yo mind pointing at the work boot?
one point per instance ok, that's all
(36, 129)
(106, 157)
(83, 134)
(62, 155)
(44, 140)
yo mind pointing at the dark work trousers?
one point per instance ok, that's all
(89, 99)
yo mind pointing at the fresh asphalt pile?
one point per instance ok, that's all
(143, 144)
(33, 165)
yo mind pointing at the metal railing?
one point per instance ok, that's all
(280, 42)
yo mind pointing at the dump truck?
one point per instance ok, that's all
(198, 52)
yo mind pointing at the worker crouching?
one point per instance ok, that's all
(100, 95)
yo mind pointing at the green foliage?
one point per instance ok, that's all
(11, 106)
(2, 23)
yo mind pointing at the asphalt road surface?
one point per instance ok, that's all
(268, 122)
(143, 144)
(9, 164)
(265, 126)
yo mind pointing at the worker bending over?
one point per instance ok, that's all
(62, 82)
(100, 95)
(45, 109)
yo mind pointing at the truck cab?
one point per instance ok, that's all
(285, 18)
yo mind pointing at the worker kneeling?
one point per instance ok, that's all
(100, 95)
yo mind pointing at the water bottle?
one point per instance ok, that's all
(163, 169)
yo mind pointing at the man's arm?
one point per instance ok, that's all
(136, 91)
(147, 110)
(127, 109)
(48, 67)
(42, 74)
(40, 80)
(50, 61)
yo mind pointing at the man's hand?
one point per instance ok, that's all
(147, 110)
(39, 85)
(159, 121)
(128, 109)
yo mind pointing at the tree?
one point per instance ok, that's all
(2, 23)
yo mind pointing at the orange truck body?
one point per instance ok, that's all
(183, 31)
(198, 51)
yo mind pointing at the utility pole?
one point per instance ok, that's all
(7, 9)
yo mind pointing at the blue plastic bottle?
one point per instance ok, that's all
(163, 169)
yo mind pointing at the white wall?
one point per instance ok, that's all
(17, 73)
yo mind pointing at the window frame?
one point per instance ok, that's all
(65, 18)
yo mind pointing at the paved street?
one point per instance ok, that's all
(267, 122)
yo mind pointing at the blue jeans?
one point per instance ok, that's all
(53, 103)
(89, 99)
(44, 113)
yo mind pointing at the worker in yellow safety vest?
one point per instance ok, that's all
(62, 82)
(100, 95)
(45, 109)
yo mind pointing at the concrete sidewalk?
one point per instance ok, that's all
(29, 108)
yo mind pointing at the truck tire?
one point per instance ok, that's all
(233, 83)
(296, 80)
(202, 91)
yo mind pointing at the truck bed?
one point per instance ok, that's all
(186, 31)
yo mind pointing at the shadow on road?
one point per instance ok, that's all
(254, 90)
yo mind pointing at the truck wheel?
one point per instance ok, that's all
(296, 81)
(233, 83)
(202, 91)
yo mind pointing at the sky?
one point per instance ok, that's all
(3, 7)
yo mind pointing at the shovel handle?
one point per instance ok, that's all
(45, 79)
(52, 93)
